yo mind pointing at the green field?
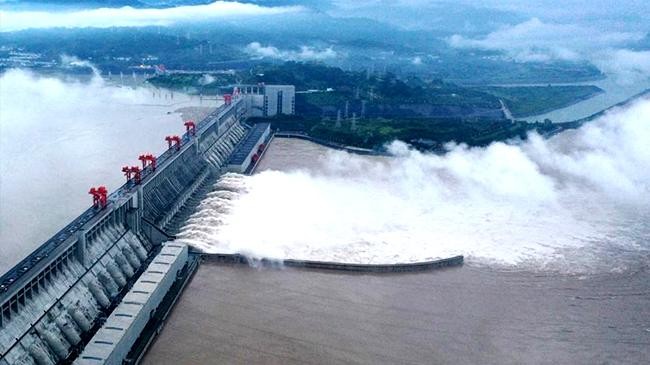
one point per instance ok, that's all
(317, 108)
(425, 133)
(525, 101)
(346, 85)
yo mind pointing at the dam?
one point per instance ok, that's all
(118, 285)
(96, 292)
(106, 272)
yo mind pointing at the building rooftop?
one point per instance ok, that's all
(242, 150)
(117, 334)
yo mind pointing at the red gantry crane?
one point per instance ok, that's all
(173, 141)
(190, 127)
(132, 172)
(148, 160)
(100, 196)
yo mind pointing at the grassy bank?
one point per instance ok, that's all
(525, 101)
(428, 134)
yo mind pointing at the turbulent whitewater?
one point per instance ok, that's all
(578, 202)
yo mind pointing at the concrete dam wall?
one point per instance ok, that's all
(56, 299)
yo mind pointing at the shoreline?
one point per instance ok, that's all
(562, 106)
(623, 103)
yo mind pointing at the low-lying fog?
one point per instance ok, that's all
(579, 202)
(58, 138)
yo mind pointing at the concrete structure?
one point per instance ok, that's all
(249, 150)
(279, 99)
(53, 300)
(114, 340)
(269, 100)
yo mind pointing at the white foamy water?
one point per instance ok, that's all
(576, 203)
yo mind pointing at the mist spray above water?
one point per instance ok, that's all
(578, 202)
(60, 135)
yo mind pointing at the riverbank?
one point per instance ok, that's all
(615, 94)
(624, 103)
(424, 133)
(526, 101)
(368, 136)
(325, 143)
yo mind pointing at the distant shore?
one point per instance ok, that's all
(623, 103)
(195, 113)
(559, 106)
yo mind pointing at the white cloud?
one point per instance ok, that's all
(305, 53)
(590, 11)
(571, 203)
(627, 66)
(535, 40)
(206, 79)
(624, 13)
(12, 20)
(74, 61)
(58, 138)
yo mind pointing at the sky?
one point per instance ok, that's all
(42, 17)
(626, 15)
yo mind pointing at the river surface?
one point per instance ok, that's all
(481, 313)
(307, 201)
(614, 93)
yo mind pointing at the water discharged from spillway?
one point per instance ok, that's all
(579, 202)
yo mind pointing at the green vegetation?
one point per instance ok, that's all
(119, 49)
(429, 134)
(524, 101)
(344, 85)
(194, 83)
(366, 44)
(492, 69)
(321, 99)
(425, 113)
(384, 88)
(323, 91)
